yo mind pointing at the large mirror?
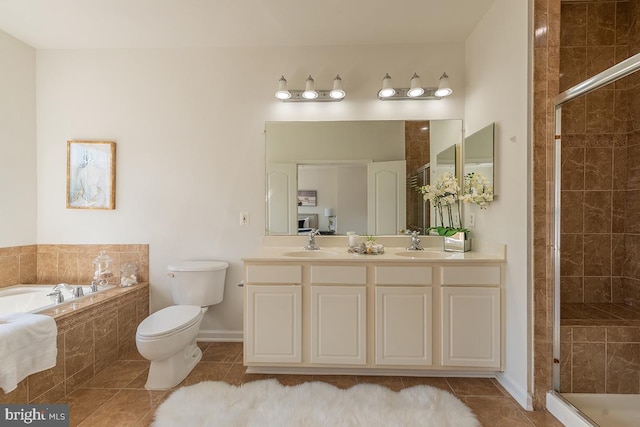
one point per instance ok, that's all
(478, 163)
(356, 176)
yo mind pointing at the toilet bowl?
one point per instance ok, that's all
(168, 337)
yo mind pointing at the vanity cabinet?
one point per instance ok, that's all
(471, 315)
(339, 325)
(365, 314)
(403, 315)
(273, 314)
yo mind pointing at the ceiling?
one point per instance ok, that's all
(91, 24)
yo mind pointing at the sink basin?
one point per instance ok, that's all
(422, 254)
(311, 254)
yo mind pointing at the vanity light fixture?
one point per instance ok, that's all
(310, 93)
(415, 91)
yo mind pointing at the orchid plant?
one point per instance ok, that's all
(477, 189)
(444, 194)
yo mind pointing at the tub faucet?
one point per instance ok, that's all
(57, 295)
(415, 242)
(65, 286)
(311, 246)
(94, 285)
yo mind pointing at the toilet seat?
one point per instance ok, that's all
(169, 320)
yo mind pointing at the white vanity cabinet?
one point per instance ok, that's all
(471, 313)
(337, 313)
(403, 315)
(273, 314)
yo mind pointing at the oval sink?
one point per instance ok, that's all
(422, 254)
(310, 254)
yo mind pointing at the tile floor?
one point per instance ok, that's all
(116, 396)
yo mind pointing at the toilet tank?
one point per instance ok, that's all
(197, 282)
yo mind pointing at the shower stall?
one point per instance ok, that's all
(596, 199)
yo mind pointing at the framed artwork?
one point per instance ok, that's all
(307, 198)
(91, 175)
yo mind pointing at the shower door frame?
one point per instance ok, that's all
(610, 75)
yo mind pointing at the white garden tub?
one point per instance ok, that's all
(33, 298)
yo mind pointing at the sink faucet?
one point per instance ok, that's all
(415, 242)
(311, 245)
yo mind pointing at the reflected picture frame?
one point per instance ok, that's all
(91, 175)
(307, 198)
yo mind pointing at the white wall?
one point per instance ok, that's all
(18, 191)
(189, 125)
(497, 91)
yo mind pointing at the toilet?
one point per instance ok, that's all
(168, 337)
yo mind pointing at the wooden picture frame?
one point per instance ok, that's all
(91, 175)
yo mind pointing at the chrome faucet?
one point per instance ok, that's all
(57, 295)
(415, 242)
(311, 245)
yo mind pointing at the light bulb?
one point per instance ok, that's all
(310, 89)
(337, 92)
(443, 87)
(282, 92)
(387, 87)
(416, 88)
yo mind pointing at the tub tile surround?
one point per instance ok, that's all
(94, 332)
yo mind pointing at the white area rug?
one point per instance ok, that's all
(268, 403)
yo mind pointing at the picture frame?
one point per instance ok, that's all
(91, 175)
(307, 198)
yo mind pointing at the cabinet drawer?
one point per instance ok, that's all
(485, 275)
(387, 275)
(274, 274)
(349, 275)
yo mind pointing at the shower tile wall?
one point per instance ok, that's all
(417, 151)
(631, 270)
(593, 37)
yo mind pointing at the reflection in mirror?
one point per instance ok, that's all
(365, 173)
(478, 166)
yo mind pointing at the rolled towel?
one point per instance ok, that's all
(27, 345)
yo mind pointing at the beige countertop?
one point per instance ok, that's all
(334, 249)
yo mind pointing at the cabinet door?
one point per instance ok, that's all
(273, 324)
(403, 325)
(338, 325)
(471, 326)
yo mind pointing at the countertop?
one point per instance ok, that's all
(332, 254)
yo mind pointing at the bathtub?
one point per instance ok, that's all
(34, 298)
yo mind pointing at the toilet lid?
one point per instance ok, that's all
(168, 320)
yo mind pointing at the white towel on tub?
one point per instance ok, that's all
(27, 346)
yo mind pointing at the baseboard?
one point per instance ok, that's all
(212, 335)
(519, 394)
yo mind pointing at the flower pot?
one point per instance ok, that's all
(459, 242)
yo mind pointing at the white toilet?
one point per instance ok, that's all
(168, 337)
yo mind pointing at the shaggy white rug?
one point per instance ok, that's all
(268, 403)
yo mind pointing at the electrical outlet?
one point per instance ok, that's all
(244, 218)
(472, 220)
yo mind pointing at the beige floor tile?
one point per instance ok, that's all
(127, 408)
(83, 402)
(497, 411)
(117, 375)
(206, 371)
(222, 352)
(474, 387)
(139, 381)
(437, 382)
(542, 419)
